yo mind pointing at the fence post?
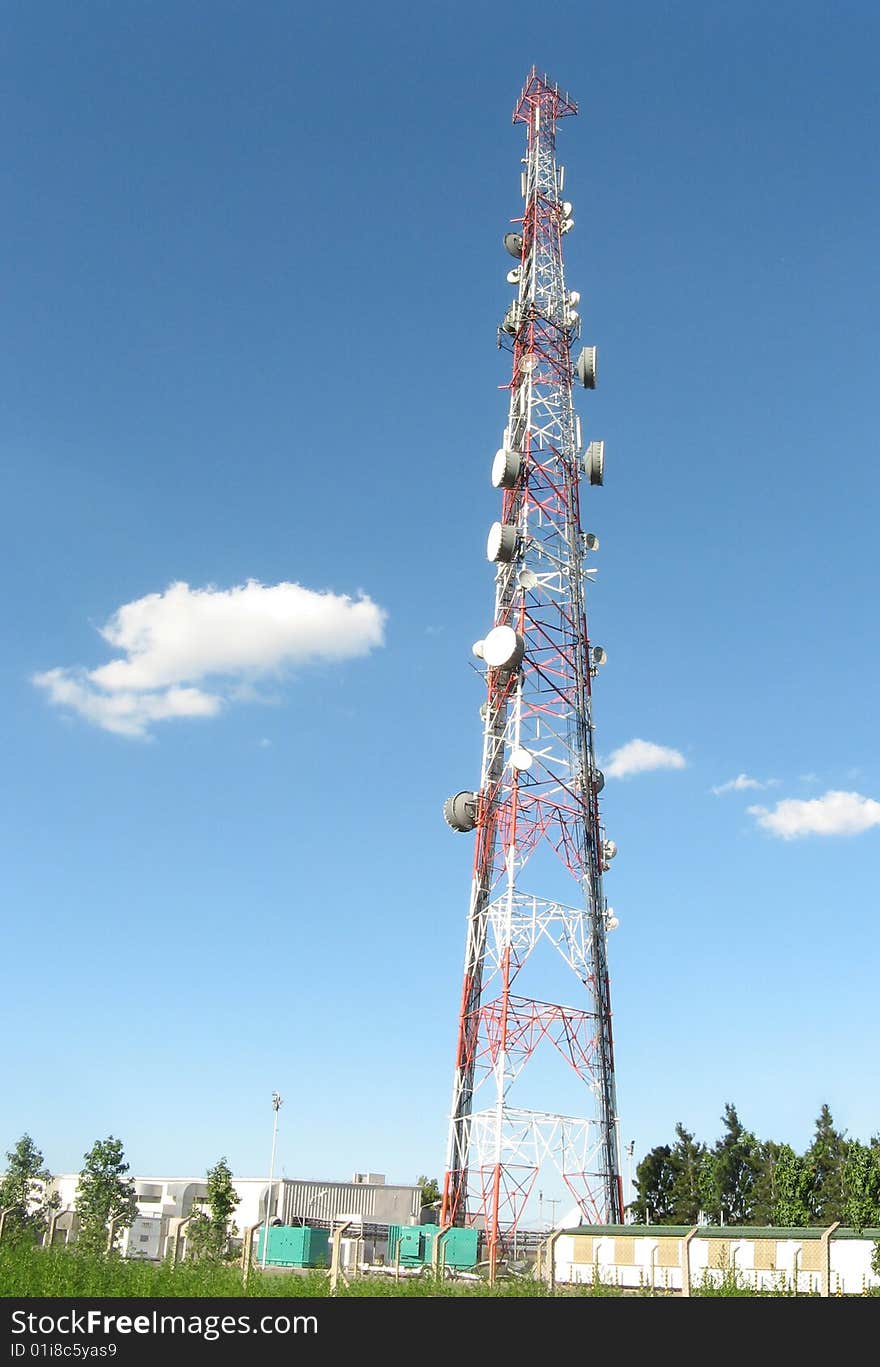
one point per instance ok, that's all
(548, 1248)
(115, 1220)
(174, 1239)
(184, 1221)
(247, 1250)
(49, 1238)
(438, 1249)
(335, 1255)
(825, 1241)
(686, 1262)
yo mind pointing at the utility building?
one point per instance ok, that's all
(164, 1201)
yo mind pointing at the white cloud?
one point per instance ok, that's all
(836, 813)
(743, 781)
(640, 756)
(125, 712)
(170, 642)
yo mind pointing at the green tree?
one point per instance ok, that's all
(729, 1179)
(23, 1192)
(765, 1186)
(793, 1182)
(209, 1232)
(655, 1178)
(827, 1154)
(687, 1159)
(429, 1189)
(861, 1186)
(707, 1185)
(103, 1193)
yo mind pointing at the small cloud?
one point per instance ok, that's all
(836, 813)
(641, 756)
(264, 743)
(247, 692)
(808, 778)
(124, 712)
(170, 642)
(743, 781)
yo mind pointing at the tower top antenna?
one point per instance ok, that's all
(540, 90)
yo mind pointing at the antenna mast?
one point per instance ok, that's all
(539, 783)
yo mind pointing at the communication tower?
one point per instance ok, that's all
(536, 813)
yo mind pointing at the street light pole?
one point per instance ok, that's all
(630, 1148)
(276, 1106)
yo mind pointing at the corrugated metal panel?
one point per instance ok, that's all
(378, 1203)
(328, 1201)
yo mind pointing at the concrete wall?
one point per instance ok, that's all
(677, 1259)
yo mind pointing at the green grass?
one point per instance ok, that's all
(26, 1270)
(29, 1271)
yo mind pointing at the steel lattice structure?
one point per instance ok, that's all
(539, 783)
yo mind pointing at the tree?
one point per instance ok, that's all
(429, 1189)
(655, 1178)
(707, 1185)
(793, 1181)
(827, 1153)
(687, 1159)
(208, 1233)
(730, 1178)
(781, 1191)
(861, 1186)
(23, 1192)
(764, 1189)
(103, 1193)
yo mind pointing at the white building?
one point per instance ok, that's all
(164, 1201)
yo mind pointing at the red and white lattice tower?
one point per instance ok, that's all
(538, 799)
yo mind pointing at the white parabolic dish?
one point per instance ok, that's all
(502, 648)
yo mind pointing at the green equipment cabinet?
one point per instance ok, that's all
(295, 1246)
(413, 1245)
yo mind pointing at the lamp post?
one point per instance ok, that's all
(276, 1106)
(630, 1149)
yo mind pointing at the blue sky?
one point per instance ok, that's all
(253, 274)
